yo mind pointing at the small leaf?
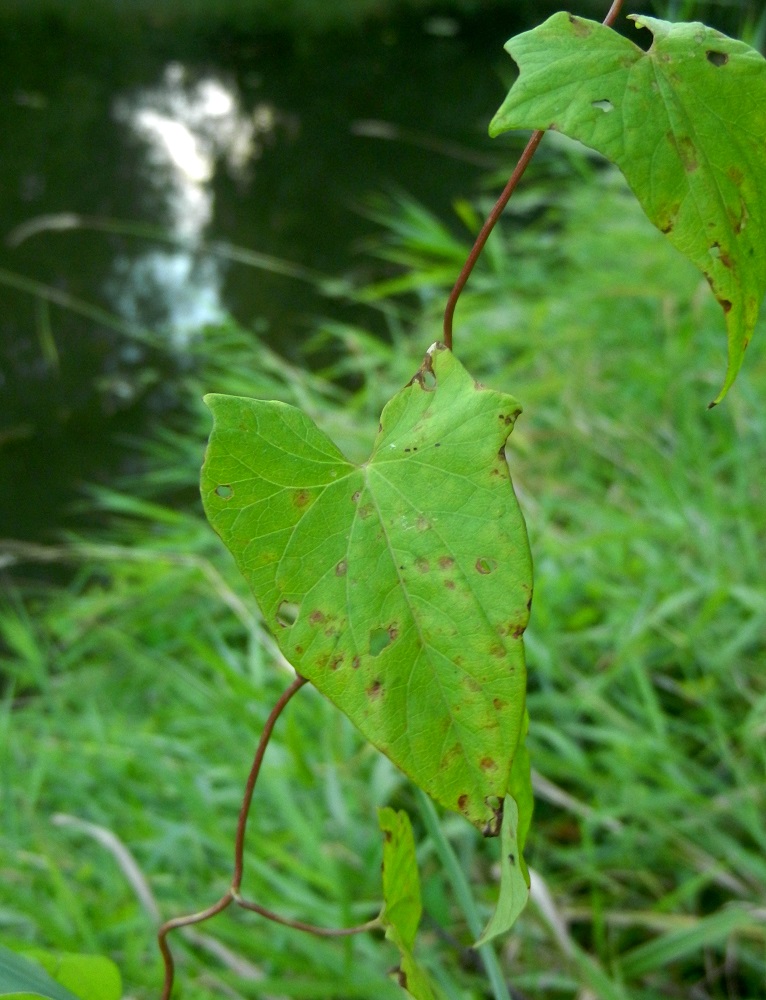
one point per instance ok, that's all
(400, 588)
(520, 787)
(20, 976)
(684, 121)
(514, 877)
(401, 899)
(92, 977)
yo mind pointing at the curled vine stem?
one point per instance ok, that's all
(232, 895)
(499, 208)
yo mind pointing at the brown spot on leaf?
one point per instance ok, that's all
(423, 564)
(423, 524)
(342, 568)
(472, 684)
(393, 631)
(336, 662)
(356, 663)
(735, 175)
(375, 690)
(301, 498)
(316, 618)
(449, 584)
(498, 704)
(580, 28)
(487, 764)
(365, 510)
(446, 562)
(497, 651)
(387, 835)
(462, 802)
(687, 151)
(725, 305)
(355, 496)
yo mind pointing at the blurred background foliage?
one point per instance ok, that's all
(273, 199)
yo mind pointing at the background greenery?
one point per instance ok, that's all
(133, 694)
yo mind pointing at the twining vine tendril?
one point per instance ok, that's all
(232, 895)
(498, 209)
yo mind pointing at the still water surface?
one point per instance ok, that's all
(123, 161)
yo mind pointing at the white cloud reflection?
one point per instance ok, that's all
(189, 130)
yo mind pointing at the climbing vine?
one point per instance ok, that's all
(401, 588)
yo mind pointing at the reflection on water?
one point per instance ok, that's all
(188, 129)
(217, 139)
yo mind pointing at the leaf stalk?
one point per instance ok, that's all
(497, 210)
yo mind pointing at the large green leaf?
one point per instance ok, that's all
(401, 899)
(684, 121)
(401, 587)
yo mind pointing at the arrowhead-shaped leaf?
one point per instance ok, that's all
(401, 899)
(684, 121)
(400, 588)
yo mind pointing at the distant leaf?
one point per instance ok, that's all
(401, 899)
(20, 976)
(400, 588)
(514, 877)
(92, 977)
(686, 124)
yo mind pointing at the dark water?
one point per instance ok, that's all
(270, 142)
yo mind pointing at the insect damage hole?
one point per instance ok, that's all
(379, 639)
(603, 105)
(287, 614)
(224, 491)
(716, 58)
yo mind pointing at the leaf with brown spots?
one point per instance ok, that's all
(402, 908)
(392, 586)
(686, 124)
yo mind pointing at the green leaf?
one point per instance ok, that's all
(400, 587)
(91, 977)
(20, 976)
(514, 877)
(520, 788)
(684, 121)
(401, 899)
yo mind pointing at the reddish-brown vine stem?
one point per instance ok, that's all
(498, 209)
(232, 894)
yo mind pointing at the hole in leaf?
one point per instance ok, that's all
(717, 58)
(604, 105)
(485, 565)
(225, 492)
(287, 613)
(379, 639)
(429, 380)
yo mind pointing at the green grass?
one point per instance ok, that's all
(133, 698)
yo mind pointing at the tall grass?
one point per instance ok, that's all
(134, 696)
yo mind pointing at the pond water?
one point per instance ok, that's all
(125, 156)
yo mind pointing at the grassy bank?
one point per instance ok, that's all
(133, 698)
